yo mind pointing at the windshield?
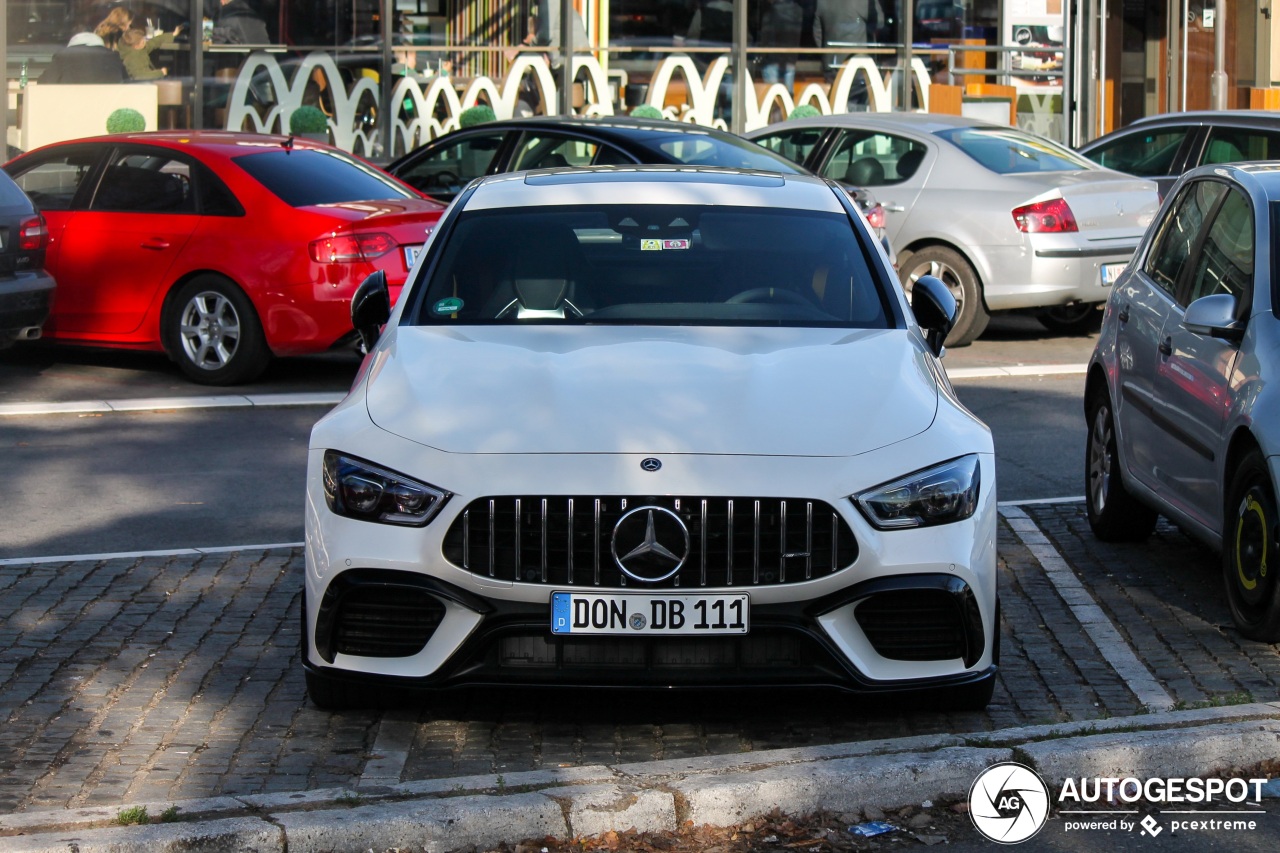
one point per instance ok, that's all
(311, 176)
(1010, 151)
(654, 264)
(706, 149)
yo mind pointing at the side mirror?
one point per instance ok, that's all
(935, 310)
(371, 308)
(1215, 317)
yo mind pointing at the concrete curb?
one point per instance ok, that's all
(479, 811)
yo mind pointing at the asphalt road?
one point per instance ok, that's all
(95, 483)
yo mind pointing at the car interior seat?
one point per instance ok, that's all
(541, 277)
(908, 163)
(865, 172)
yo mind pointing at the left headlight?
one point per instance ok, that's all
(358, 489)
(938, 495)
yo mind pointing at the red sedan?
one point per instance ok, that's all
(222, 249)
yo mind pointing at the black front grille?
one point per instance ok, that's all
(914, 624)
(384, 621)
(568, 541)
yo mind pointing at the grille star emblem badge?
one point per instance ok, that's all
(650, 544)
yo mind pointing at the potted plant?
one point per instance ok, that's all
(309, 123)
(479, 114)
(126, 120)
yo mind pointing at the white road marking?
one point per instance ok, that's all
(391, 747)
(1097, 626)
(157, 404)
(1017, 370)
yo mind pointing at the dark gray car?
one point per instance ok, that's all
(1163, 147)
(26, 290)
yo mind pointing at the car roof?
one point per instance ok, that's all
(222, 143)
(919, 122)
(1265, 173)
(654, 184)
(620, 125)
(1253, 118)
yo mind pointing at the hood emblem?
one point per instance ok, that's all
(650, 464)
(650, 544)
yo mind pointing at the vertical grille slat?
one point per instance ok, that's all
(543, 540)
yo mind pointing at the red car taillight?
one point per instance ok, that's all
(33, 235)
(1045, 217)
(875, 216)
(351, 248)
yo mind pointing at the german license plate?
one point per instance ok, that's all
(411, 255)
(1111, 272)
(649, 614)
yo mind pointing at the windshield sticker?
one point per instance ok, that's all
(452, 305)
(659, 245)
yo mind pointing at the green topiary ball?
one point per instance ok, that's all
(647, 111)
(804, 111)
(308, 120)
(126, 120)
(478, 114)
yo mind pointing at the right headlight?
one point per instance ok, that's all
(938, 495)
(359, 489)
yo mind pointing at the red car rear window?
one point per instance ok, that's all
(307, 177)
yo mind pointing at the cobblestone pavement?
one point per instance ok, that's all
(155, 679)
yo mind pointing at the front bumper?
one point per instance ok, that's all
(916, 608)
(930, 617)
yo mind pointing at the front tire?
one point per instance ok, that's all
(1114, 513)
(1249, 543)
(212, 331)
(959, 277)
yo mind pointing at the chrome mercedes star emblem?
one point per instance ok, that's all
(650, 543)
(650, 464)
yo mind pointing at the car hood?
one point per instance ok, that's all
(600, 389)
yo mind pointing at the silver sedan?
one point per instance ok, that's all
(1007, 219)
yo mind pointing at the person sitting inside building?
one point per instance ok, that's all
(85, 59)
(136, 49)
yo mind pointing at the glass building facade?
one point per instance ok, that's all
(389, 73)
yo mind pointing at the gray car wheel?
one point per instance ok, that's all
(1114, 514)
(1249, 543)
(214, 334)
(958, 275)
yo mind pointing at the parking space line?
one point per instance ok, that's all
(1098, 627)
(1017, 370)
(153, 404)
(133, 555)
(396, 731)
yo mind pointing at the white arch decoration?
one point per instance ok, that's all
(415, 118)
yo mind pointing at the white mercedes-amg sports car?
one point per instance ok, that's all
(651, 426)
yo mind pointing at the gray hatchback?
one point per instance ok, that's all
(1180, 404)
(26, 290)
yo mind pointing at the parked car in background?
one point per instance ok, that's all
(1182, 414)
(1007, 219)
(442, 167)
(26, 289)
(1162, 147)
(682, 429)
(222, 249)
